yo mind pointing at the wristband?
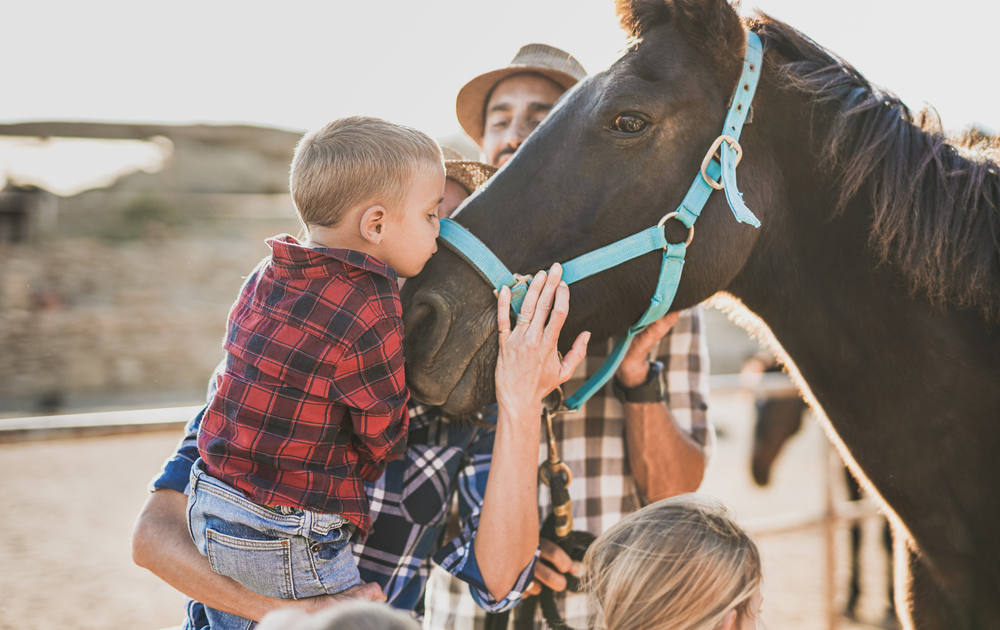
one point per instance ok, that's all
(650, 390)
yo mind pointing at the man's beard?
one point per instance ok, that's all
(501, 154)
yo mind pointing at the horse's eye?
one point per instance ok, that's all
(627, 123)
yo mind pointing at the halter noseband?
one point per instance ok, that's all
(716, 173)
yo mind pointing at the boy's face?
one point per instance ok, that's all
(412, 226)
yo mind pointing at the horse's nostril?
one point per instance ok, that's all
(426, 322)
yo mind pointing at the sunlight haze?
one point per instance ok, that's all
(300, 64)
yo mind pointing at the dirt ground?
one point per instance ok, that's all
(64, 542)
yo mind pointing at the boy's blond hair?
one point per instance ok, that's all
(680, 563)
(356, 160)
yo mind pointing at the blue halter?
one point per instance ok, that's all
(715, 174)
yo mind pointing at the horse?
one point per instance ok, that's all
(876, 266)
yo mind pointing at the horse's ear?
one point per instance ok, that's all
(638, 16)
(711, 21)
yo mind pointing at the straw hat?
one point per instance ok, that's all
(471, 175)
(548, 61)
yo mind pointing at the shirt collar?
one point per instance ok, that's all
(289, 253)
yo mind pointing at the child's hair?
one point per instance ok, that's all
(354, 160)
(680, 563)
(357, 614)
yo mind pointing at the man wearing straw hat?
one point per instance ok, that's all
(654, 445)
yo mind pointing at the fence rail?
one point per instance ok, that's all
(93, 423)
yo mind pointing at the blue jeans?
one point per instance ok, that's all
(280, 552)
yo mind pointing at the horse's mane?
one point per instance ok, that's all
(936, 201)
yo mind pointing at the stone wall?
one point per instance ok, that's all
(125, 301)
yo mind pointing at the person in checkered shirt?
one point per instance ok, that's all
(643, 438)
(312, 400)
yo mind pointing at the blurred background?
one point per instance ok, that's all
(144, 154)
(144, 151)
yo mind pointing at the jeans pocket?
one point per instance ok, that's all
(262, 565)
(333, 564)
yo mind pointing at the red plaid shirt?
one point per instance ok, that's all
(313, 400)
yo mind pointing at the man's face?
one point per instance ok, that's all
(516, 106)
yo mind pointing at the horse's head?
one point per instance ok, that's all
(615, 155)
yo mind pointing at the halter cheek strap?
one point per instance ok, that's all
(715, 174)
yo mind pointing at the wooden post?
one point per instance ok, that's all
(831, 466)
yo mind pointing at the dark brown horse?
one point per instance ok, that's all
(877, 266)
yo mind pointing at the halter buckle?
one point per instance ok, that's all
(519, 278)
(734, 144)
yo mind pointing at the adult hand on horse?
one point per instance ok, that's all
(528, 368)
(528, 364)
(634, 367)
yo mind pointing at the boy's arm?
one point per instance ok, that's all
(369, 380)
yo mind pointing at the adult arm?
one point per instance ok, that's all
(528, 368)
(666, 458)
(496, 550)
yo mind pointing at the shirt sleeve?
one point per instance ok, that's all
(176, 470)
(684, 353)
(369, 380)
(458, 557)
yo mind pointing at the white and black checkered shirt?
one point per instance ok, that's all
(592, 442)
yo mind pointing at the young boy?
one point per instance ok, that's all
(312, 401)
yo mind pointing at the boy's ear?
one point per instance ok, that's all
(372, 226)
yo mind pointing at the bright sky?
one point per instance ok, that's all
(298, 64)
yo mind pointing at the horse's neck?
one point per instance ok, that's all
(860, 337)
(878, 359)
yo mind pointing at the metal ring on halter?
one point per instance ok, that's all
(673, 215)
(716, 146)
(553, 401)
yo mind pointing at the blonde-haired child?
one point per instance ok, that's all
(312, 400)
(677, 564)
